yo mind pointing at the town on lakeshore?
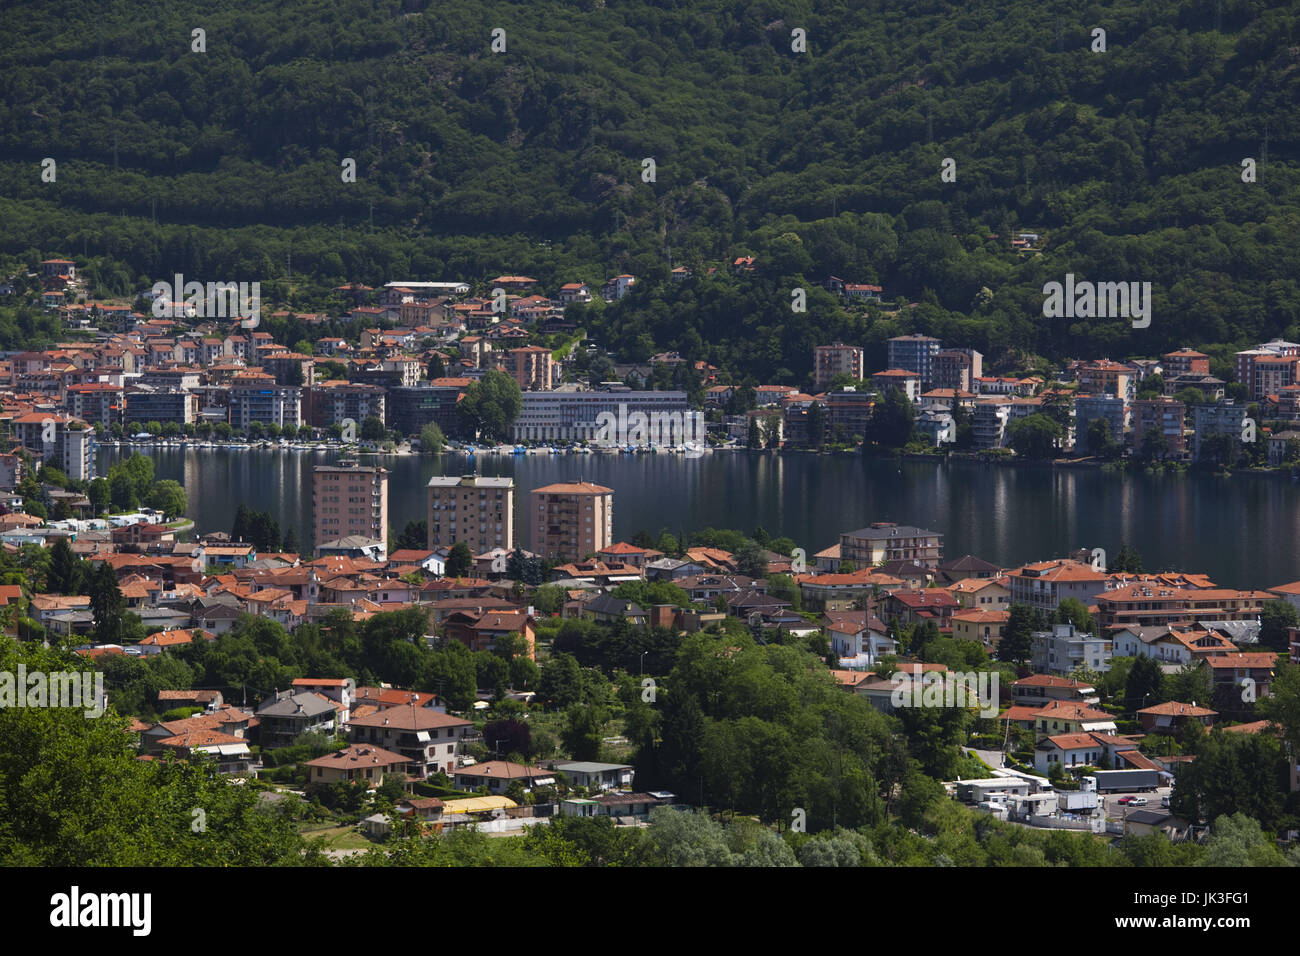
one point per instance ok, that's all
(417, 350)
(1082, 680)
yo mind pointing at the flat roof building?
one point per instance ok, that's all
(349, 500)
(477, 510)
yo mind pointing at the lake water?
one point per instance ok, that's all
(1240, 531)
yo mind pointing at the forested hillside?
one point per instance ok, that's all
(226, 163)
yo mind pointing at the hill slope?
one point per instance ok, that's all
(226, 163)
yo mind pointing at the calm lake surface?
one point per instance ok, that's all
(1240, 531)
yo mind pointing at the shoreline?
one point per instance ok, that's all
(508, 450)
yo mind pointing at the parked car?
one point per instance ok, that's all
(1164, 801)
(1128, 799)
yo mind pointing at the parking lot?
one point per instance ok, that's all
(1116, 808)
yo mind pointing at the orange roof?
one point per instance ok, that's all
(1173, 708)
(1065, 710)
(622, 547)
(201, 738)
(1049, 680)
(1073, 741)
(574, 488)
(982, 616)
(1244, 659)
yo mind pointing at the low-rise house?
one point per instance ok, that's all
(707, 587)
(227, 720)
(978, 624)
(161, 641)
(624, 807)
(1172, 716)
(1066, 750)
(924, 604)
(966, 567)
(1170, 644)
(609, 610)
(382, 698)
(43, 606)
(290, 714)
(429, 561)
(859, 640)
(842, 591)
(1061, 717)
(427, 810)
(989, 594)
(498, 775)
(341, 690)
(355, 762)
(751, 606)
(672, 569)
(1038, 689)
(1232, 674)
(480, 632)
(594, 775)
(1063, 650)
(231, 753)
(209, 700)
(428, 739)
(620, 552)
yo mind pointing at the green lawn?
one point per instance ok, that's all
(338, 838)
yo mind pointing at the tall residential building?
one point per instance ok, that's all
(410, 409)
(957, 368)
(479, 511)
(847, 414)
(1185, 362)
(162, 405)
(905, 380)
(989, 421)
(98, 403)
(1109, 378)
(572, 520)
(838, 359)
(69, 441)
(1272, 374)
(915, 353)
(254, 397)
(329, 403)
(1087, 408)
(532, 367)
(349, 500)
(1222, 418)
(1245, 361)
(1165, 418)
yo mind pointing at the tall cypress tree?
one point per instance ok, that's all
(107, 605)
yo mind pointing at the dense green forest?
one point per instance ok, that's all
(227, 163)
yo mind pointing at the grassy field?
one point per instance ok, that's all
(338, 837)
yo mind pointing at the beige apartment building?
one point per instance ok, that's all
(886, 541)
(532, 367)
(572, 520)
(349, 500)
(838, 359)
(479, 511)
